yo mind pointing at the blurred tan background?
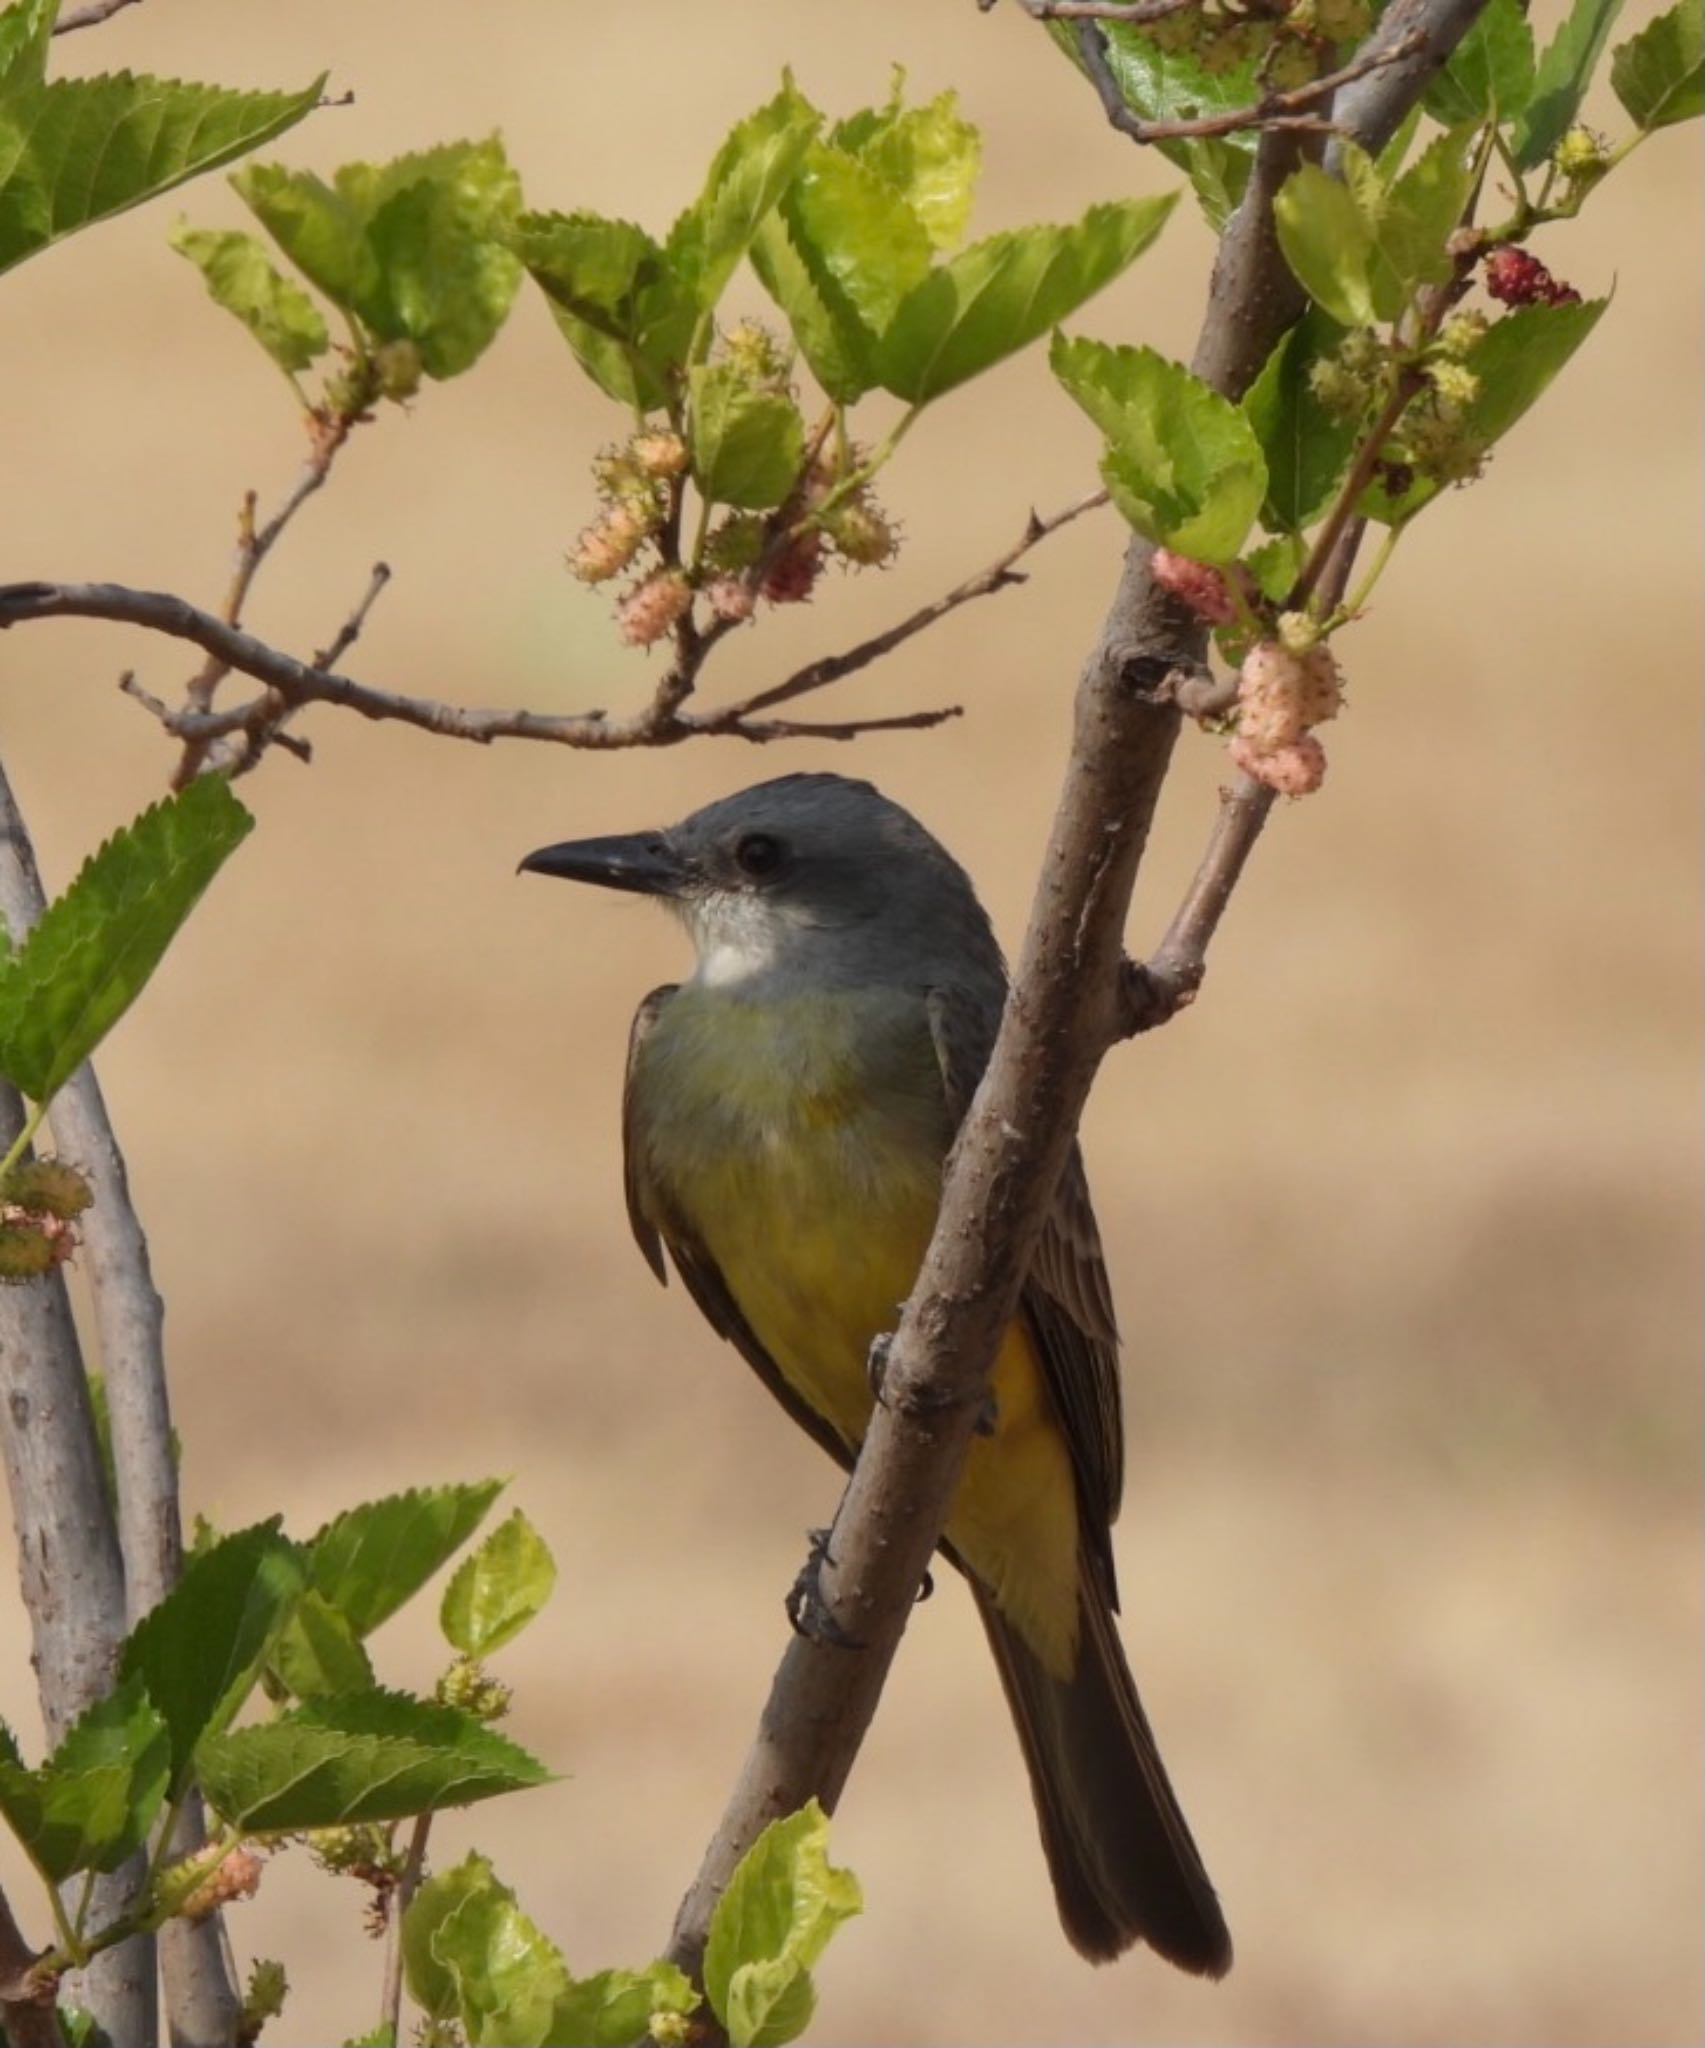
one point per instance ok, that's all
(1403, 1216)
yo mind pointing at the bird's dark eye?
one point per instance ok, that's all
(758, 855)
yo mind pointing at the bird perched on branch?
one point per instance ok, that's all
(786, 1116)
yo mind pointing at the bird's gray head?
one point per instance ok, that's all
(811, 878)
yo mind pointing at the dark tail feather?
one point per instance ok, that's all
(1123, 1864)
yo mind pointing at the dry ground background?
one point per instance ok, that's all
(1403, 1216)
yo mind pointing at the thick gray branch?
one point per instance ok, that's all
(68, 1552)
(202, 2003)
(1067, 1007)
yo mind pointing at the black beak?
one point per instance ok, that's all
(641, 861)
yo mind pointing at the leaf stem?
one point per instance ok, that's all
(21, 1144)
(408, 1882)
(1376, 568)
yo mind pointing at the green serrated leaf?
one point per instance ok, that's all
(200, 1652)
(1518, 357)
(90, 1806)
(368, 1561)
(240, 277)
(1164, 85)
(447, 277)
(748, 175)
(616, 2007)
(1001, 294)
(1561, 78)
(864, 235)
(1421, 211)
(26, 36)
(1183, 464)
(493, 1594)
(415, 249)
(777, 1915)
(621, 308)
(475, 1959)
(1489, 75)
(384, 2035)
(1218, 171)
(366, 1756)
(1277, 564)
(929, 155)
(839, 348)
(1659, 74)
(93, 948)
(1306, 448)
(319, 1651)
(83, 149)
(1328, 245)
(431, 1984)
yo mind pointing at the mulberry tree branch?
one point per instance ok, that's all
(1068, 1006)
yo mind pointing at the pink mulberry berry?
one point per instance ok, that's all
(1296, 769)
(649, 609)
(606, 548)
(731, 597)
(1198, 584)
(659, 452)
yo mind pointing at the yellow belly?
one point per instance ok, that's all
(816, 1199)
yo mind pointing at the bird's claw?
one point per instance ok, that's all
(807, 1611)
(876, 1374)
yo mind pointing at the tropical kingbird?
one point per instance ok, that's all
(786, 1115)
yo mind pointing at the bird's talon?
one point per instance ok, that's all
(926, 1587)
(807, 1612)
(876, 1365)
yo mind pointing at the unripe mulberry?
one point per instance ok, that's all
(1342, 391)
(1581, 155)
(398, 367)
(237, 1877)
(1296, 769)
(467, 1685)
(755, 352)
(659, 452)
(26, 1251)
(1454, 386)
(649, 609)
(605, 549)
(1198, 584)
(860, 531)
(1461, 335)
(1299, 632)
(736, 543)
(50, 1187)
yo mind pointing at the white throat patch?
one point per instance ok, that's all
(735, 936)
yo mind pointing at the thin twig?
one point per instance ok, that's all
(396, 1905)
(350, 631)
(663, 721)
(1274, 110)
(1133, 14)
(999, 575)
(90, 16)
(328, 429)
